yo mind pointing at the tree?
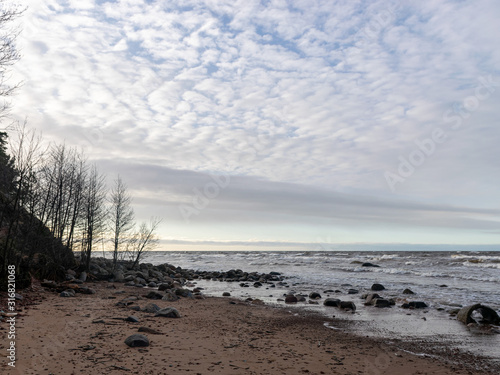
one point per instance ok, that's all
(121, 217)
(145, 239)
(8, 51)
(93, 225)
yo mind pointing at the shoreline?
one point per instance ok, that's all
(85, 335)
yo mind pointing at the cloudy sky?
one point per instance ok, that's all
(261, 124)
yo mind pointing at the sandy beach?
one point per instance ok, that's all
(86, 334)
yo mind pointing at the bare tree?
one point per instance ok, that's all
(145, 239)
(121, 217)
(8, 51)
(93, 225)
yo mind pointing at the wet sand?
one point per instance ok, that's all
(85, 334)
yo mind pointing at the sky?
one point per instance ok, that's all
(278, 124)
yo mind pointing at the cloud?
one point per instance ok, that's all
(328, 94)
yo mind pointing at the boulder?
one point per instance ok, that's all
(67, 293)
(119, 277)
(132, 319)
(170, 296)
(291, 299)
(151, 308)
(226, 294)
(369, 298)
(165, 286)
(352, 291)
(154, 295)
(417, 305)
(349, 305)
(377, 287)
(168, 312)
(83, 276)
(332, 302)
(137, 340)
(381, 302)
(408, 291)
(314, 295)
(478, 313)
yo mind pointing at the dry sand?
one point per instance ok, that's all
(60, 336)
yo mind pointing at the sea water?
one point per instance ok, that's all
(443, 280)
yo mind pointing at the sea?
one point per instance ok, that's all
(444, 280)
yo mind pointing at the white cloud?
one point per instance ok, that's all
(325, 93)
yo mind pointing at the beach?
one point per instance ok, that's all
(86, 334)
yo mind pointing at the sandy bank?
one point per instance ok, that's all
(85, 334)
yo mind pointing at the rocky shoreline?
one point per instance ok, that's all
(142, 309)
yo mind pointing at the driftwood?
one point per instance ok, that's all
(489, 315)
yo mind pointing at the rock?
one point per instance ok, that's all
(478, 314)
(226, 294)
(367, 264)
(154, 295)
(119, 277)
(68, 293)
(18, 297)
(85, 290)
(135, 308)
(291, 299)
(377, 287)
(164, 286)
(137, 340)
(257, 302)
(380, 302)
(349, 305)
(132, 319)
(149, 330)
(408, 291)
(152, 284)
(183, 292)
(332, 302)
(168, 312)
(369, 298)
(129, 283)
(417, 305)
(170, 296)
(257, 284)
(71, 272)
(83, 276)
(151, 308)
(352, 291)
(314, 295)
(300, 298)
(129, 278)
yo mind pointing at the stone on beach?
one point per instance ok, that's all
(168, 312)
(291, 299)
(478, 313)
(348, 305)
(149, 330)
(314, 295)
(408, 291)
(332, 302)
(137, 340)
(377, 287)
(68, 293)
(132, 319)
(226, 294)
(154, 295)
